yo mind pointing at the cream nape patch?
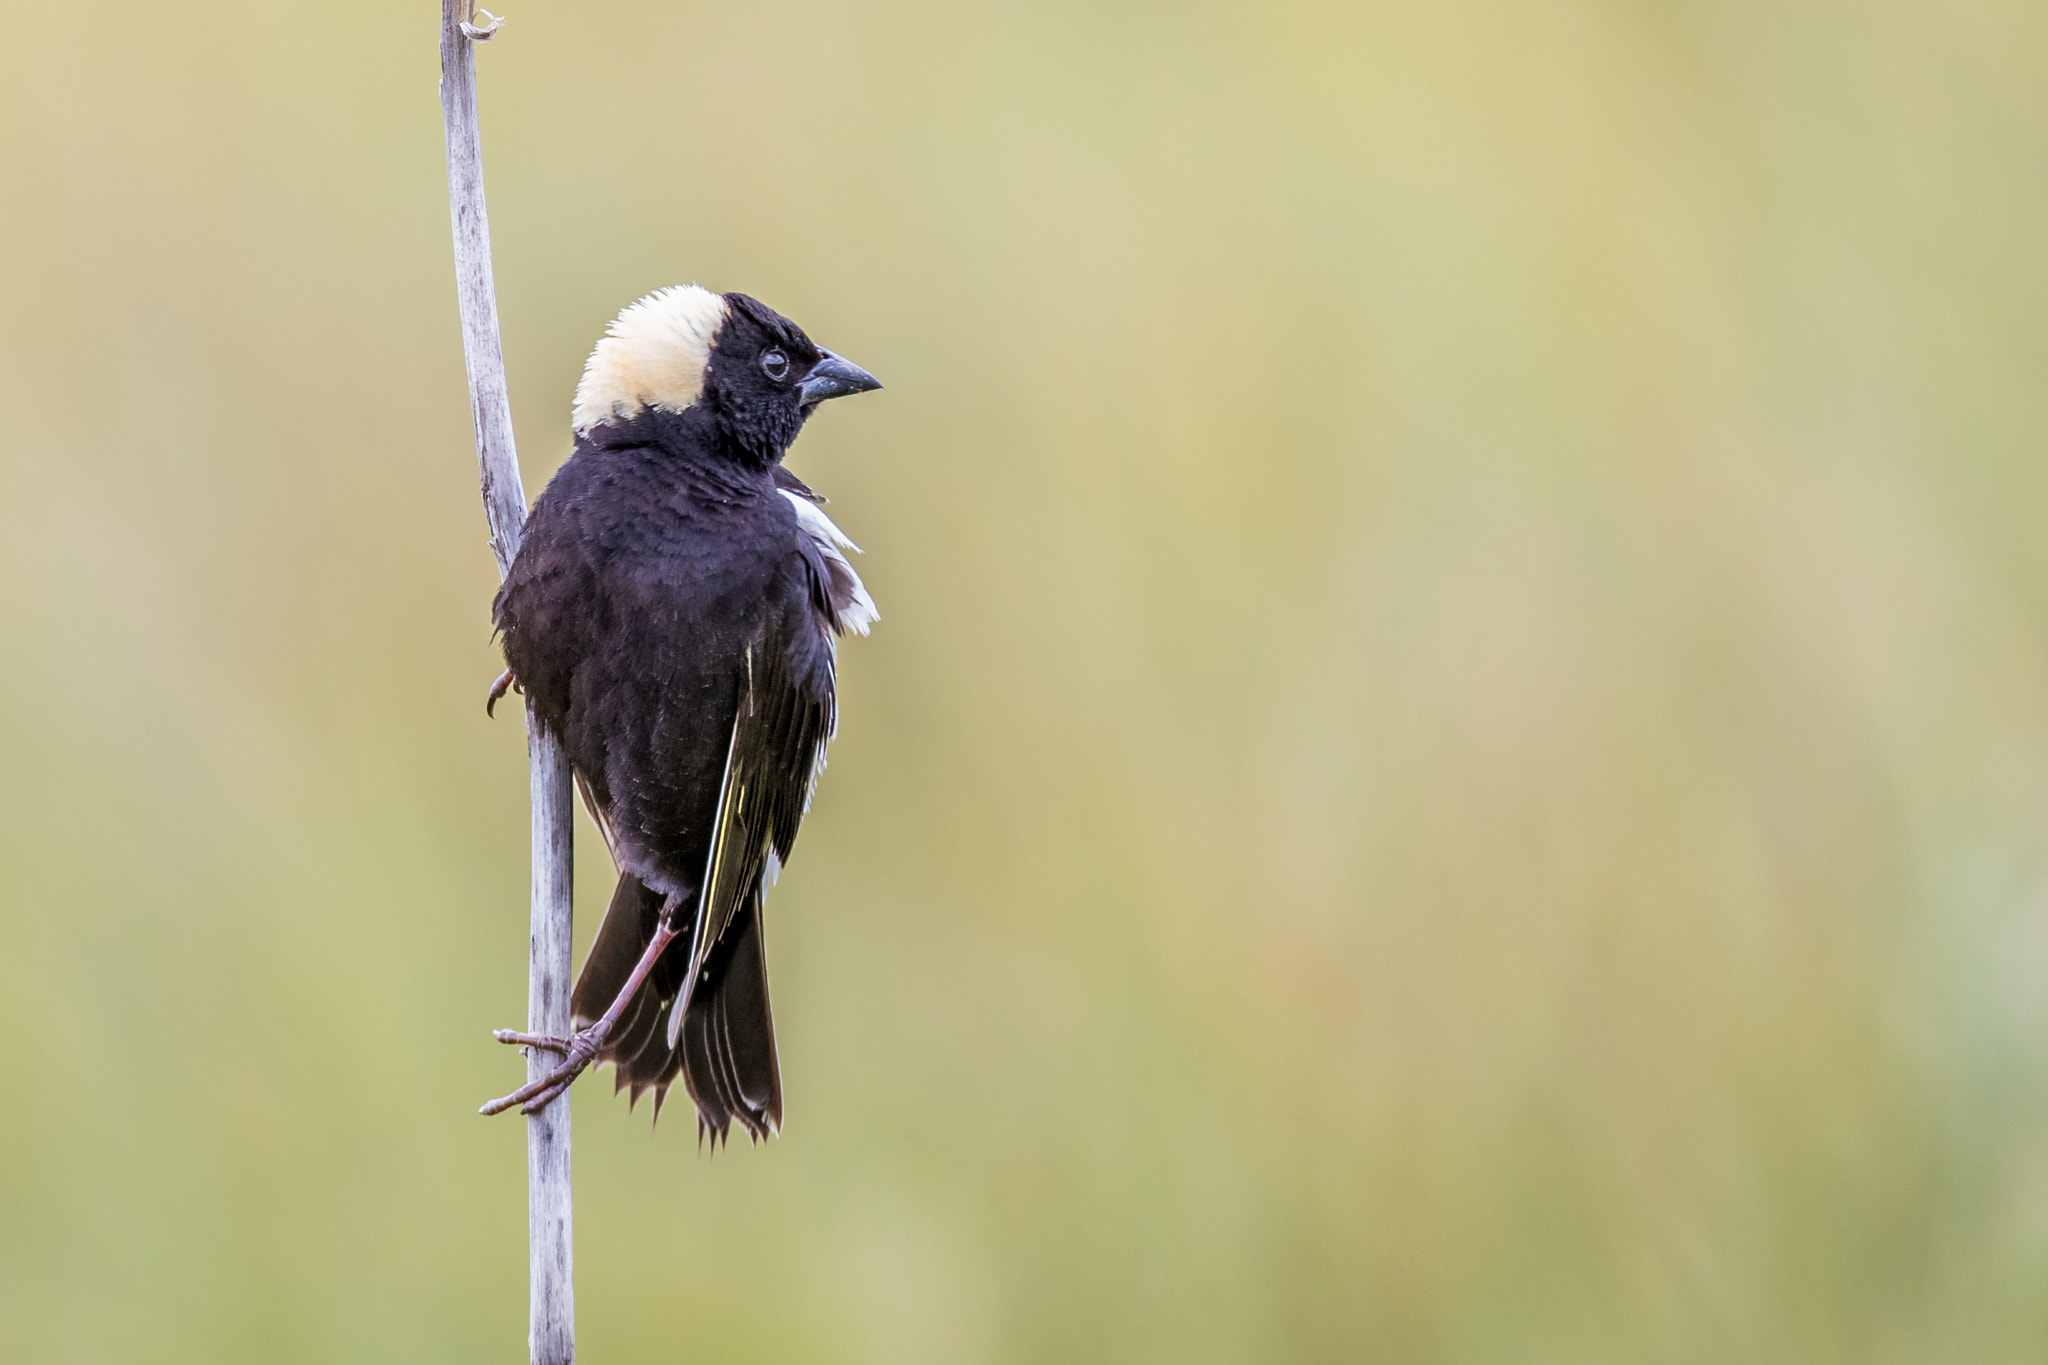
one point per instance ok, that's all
(652, 356)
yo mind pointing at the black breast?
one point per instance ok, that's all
(651, 576)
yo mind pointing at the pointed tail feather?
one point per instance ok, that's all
(727, 1047)
(725, 1051)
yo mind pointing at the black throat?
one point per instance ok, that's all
(697, 436)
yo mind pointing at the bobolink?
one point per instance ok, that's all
(671, 617)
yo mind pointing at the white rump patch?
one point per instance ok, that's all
(852, 608)
(652, 356)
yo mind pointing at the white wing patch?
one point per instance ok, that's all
(852, 608)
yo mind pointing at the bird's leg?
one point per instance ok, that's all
(580, 1048)
(498, 689)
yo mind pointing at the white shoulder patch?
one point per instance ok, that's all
(852, 608)
(652, 356)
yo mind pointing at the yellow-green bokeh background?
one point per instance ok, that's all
(1455, 767)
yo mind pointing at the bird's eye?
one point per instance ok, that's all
(775, 363)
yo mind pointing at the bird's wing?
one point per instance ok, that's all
(843, 598)
(597, 815)
(772, 760)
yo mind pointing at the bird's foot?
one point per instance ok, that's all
(498, 689)
(578, 1051)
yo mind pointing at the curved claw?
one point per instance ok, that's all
(498, 689)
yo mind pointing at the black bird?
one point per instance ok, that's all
(671, 617)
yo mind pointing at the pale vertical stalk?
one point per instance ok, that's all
(551, 1326)
(551, 1330)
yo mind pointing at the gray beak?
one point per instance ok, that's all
(834, 377)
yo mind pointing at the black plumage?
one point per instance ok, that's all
(671, 617)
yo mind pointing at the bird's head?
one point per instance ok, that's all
(750, 368)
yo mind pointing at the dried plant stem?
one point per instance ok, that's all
(551, 1333)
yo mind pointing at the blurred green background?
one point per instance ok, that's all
(1455, 767)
